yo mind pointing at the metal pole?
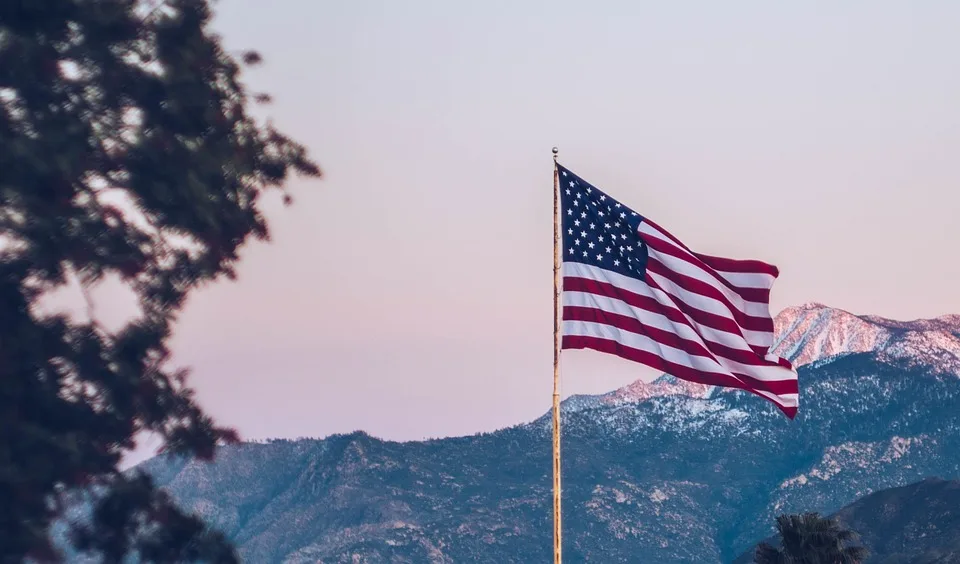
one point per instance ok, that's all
(556, 360)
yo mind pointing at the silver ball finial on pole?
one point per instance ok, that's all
(555, 151)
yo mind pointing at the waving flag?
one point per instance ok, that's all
(632, 289)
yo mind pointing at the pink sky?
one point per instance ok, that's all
(408, 293)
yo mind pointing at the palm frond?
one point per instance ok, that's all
(810, 538)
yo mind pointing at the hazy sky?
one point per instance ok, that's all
(409, 293)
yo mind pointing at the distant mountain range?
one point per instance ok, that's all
(814, 332)
(667, 471)
(914, 524)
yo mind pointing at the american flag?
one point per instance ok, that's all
(632, 289)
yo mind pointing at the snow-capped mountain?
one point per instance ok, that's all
(814, 332)
(666, 471)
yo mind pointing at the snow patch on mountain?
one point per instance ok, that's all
(662, 387)
(657, 514)
(938, 349)
(811, 332)
(856, 455)
(814, 332)
(947, 323)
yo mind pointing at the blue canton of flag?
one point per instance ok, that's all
(598, 230)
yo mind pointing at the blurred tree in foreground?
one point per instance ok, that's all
(811, 539)
(126, 150)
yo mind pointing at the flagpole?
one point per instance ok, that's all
(556, 360)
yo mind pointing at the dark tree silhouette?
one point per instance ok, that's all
(811, 539)
(126, 152)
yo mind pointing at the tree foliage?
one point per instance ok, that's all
(126, 151)
(811, 539)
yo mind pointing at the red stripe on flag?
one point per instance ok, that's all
(737, 265)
